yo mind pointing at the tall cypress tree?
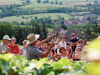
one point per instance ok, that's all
(44, 31)
(87, 33)
(37, 29)
(33, 22)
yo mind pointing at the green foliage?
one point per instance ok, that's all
(95, 16)
(37, 29)
(52, 2)
(87, 33)
(50, 26)
(63, 26)
(16, 65)
(44, 31)
(38, 1)
(21, 32)
(6, 29)
(27, 1)
(60, 3)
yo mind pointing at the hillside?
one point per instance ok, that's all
(52, 15)
(64, 2)
(9, 2)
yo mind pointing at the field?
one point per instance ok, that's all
(41, 5)
(83, 12)
(52, 0)
(53, 16)
(2, 2)
(69, 2)
(49, 29)
(79, 3)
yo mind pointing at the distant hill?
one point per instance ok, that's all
(70, 2)
(4, 2)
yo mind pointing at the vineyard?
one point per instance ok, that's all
(19, 65)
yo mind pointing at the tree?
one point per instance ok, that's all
(22, 23)
(15, 22)
(88, 19)
(27, 1)
(47, 1)
(95, 16)
(64, 27)
(33, 22)
(6, 29)
(87, 33)
(26, 23)
(44, 31)
(59, 17)
(95, 22)
(31, 16)
(38, 1)
(42, 19)
(62, 18)
(52, 2)
(56, 2)
(10, 7)
(44, 2)
(22, 17)
(86, 0)
(49, 21)
(17, 33)
(37, 29)
(62, 22)
(60, 3)
(35, 17)
(21, 33)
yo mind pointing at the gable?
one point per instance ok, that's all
(62, 31)
(68, 33)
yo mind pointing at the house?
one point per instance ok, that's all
(88, 15)
(59, 31)
(78, 34)
(74, 13)
(81, 18)
(83, 22)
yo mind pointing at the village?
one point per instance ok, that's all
(79, 20)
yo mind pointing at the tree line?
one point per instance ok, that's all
(14, 10)
(21, 32)
(92, 8)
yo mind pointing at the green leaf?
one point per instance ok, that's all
(57, 66)
(77, 67)
(64, 61)
(5, 66)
